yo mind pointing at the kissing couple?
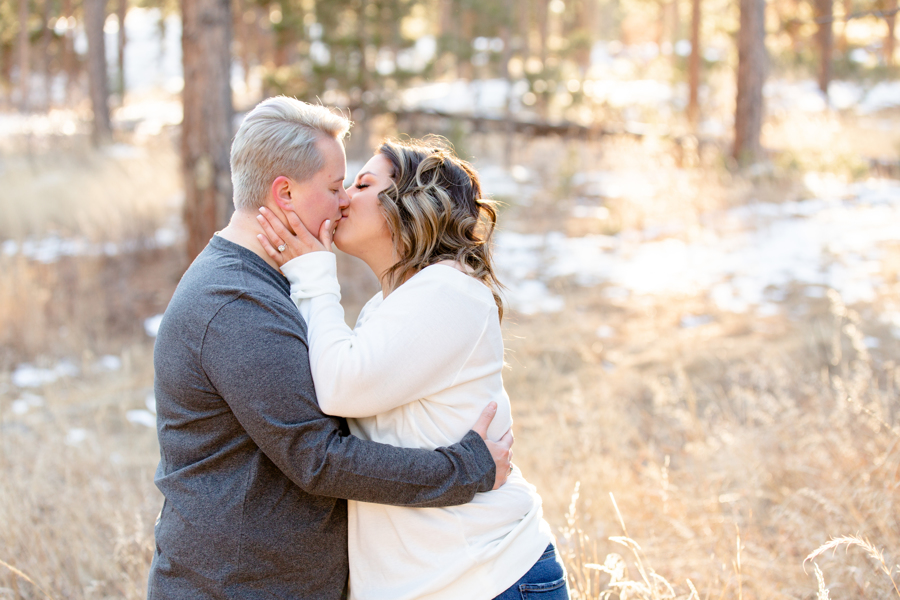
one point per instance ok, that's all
(300, 458)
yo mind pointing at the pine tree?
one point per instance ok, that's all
(206, 130)
(751, 74)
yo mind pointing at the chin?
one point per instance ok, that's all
(338, 242)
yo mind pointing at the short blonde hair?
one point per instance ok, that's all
(277, 138)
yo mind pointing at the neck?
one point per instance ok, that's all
(379, 264)
(388, 284)
(242, 230)
(386, 287)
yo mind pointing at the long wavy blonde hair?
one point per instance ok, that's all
(435, 211)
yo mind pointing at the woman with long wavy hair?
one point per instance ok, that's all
(424, 359)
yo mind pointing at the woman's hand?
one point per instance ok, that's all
(282, 245)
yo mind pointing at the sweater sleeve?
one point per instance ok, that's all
(255, 355)
(412, 346)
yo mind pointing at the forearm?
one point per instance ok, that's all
(350, 468)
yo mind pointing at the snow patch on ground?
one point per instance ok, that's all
(27, 375)
(52, 248)
(141, 417)
(743, 259)
(25, 403)
(151, 325)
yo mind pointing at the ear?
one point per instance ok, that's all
(280, 192)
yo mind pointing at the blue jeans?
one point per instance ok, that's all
(546, 580)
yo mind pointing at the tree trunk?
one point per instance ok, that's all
(751, 75)
(4, 76)
(542, 13)
(524, 24)
(842, 38)
(358, 143)
(506, 36)
(362, 41)
(68, 53)
(121, 9)
(694, 66)
(283, 36)
(662, 19)
(46, 58)
(590, 20)
(242, 37)
(824, 10)
(890, 38)
(94, 19)
(467, 69)
(206, 128)
(676, 23)
(446, 57)
(24, 56)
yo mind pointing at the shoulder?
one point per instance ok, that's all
(445, 288)
(448, 276)
(258, 310)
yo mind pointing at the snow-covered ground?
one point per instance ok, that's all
(51, 248)
(805, 96)
(743, 259)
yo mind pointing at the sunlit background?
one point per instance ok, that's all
(703, 337)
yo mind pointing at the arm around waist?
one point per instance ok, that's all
(254, 354)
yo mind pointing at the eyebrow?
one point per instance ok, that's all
(364, 173)
(340, 179)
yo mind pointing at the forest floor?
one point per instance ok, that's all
(703, 365)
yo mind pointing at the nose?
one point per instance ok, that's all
(343, 200)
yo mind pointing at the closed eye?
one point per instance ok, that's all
(361, 186)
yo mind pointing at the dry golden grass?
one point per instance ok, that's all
(708, 439)
(702, 463)
(77, 515)
(113, 201)
(121, 193)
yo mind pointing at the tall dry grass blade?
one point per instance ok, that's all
(636, 550)
(16, 571)
(822, 593)
(853, 540)
(740, 576)
(618, 514)
(694, 593)
(573, 505)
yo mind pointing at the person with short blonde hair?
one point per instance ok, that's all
(254, 476)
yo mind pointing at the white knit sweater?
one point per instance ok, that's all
(416, 372)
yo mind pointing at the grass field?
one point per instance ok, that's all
(676, 459)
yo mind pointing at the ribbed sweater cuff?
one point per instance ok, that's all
(473, 442)
(313, 274)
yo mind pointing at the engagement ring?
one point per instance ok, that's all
(282, 248)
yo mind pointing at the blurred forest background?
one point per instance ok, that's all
(700, 240)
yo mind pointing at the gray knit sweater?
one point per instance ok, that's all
(253, 474)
